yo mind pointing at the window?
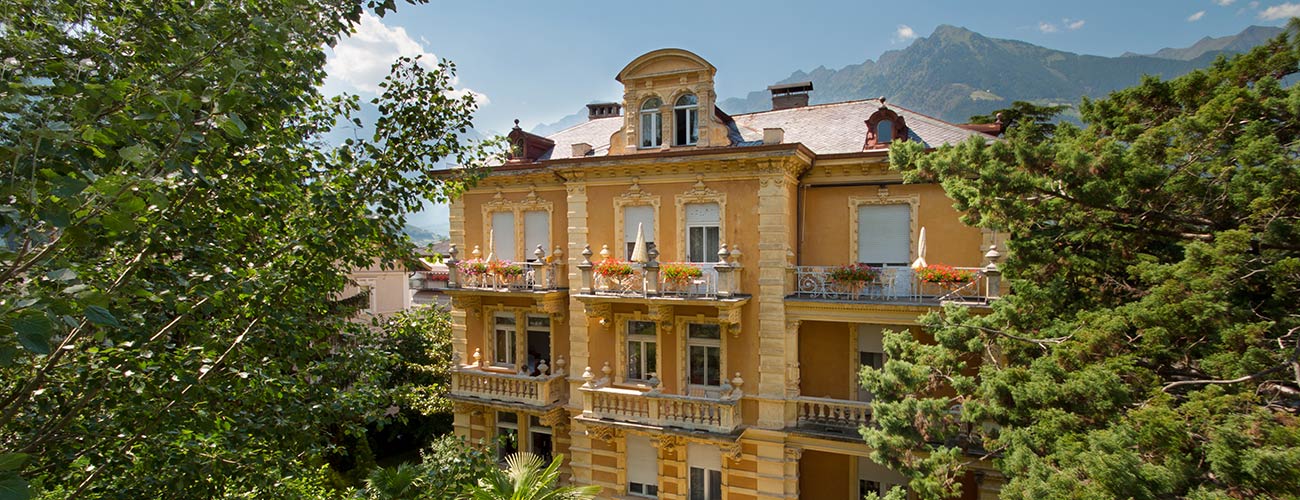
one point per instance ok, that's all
(704, 354)
(539, 342)
(507, 434)
(641, 355)
(642, 216)
(871, 352)
(537, 232)
(705, 472)
(686, 120)
(642, 467)
(503, 343)
(884, 234)
(884, 131)
(539, 441)
(703, 232)
(651, 123)
(503, 236)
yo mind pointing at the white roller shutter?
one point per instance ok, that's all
(503, 235)
(643, 215)
(537, 231)
(704, 456)
(702, 214)
(642, 464)
(884, 234)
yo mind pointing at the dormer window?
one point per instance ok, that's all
(651, 123)
(686, 120)
(884, 131)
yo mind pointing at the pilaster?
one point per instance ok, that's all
(579, 351)
(774, 223)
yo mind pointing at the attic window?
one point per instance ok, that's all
(883, 127)
(686, 120)
(651, 123)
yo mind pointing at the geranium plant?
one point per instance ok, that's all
(854, 273)
(679, 274)
(474, 267)
(506, 269)
(613, 268)
(939, 273)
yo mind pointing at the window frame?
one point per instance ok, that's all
(513, 352)
(914, 203)
(623, 336)
(698, 194)
(690, 114)
(684, 346)
(655, 114)
(498, 425)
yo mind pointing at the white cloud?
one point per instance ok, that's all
(1283, 11)
(360, 62)
(1196, 17)
(904, 33)
(1073, 24)
(1046, 27)
(1224, 3)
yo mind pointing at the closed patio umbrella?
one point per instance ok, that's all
(640, 254)
(920, 251)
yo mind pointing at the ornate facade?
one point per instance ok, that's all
(682, 316)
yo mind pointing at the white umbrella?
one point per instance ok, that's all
(491, 247)
(920, 251)
(639, 252)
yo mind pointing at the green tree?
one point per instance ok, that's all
(1148, 348)
(448, 468)
(418, 381)
(176, 233)
(1023, 114)
(527, 477)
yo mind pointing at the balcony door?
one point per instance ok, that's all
(885, 241)
(539, 343)
(871, 352)
(704, 359)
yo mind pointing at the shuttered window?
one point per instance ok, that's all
(537, 231)
(705, 476)
(884, 234)
(503, 235)
(642, 467)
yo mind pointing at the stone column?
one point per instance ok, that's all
(459, 315)
(774, 226)
(579, 351)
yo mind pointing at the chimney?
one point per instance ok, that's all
(603, 110)
(790, 95)
(581, 149)
(773, 135)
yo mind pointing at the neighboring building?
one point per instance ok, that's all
(726, 365)
(389, 289)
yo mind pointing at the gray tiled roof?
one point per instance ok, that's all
(824, 128)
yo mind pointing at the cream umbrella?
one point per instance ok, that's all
(640, 254)
(920, 251)
(491, 246)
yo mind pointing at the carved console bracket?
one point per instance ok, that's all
(604, 433)
(602, 311)
(471, 303)
(662, 314)
(729, 316)
(668, 443)
(557, 307)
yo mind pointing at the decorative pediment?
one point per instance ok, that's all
(895, 127)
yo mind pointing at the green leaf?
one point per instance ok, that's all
(137, 153)
(13, 487)
(12, 461)
(233, 125)
(100, 316)
(34, 330)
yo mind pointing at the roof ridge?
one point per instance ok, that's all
(824, 104)
(589, 120)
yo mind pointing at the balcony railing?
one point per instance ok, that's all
(544, 389)
(546, 273)
(721, 414)
(833, 413)
(707, 280)
(898, 284)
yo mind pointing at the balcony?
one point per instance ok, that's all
(542, 390)
(653, 408)
(711, 281)
(975, 286)
(833, 416)
(544, 274)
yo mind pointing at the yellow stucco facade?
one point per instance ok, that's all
(741, 377)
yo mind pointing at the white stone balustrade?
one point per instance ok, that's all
(542, 390)
(663, 410)
(545, 273)
(833, 412)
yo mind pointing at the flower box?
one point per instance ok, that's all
(679, 275)
(856, 274)
(939, 273)
(613, 268)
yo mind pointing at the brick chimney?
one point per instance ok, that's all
(790, 95)
(603, 110)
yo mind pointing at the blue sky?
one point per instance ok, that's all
(540, 61)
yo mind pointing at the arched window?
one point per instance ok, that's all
(686, 120)
(651, 123)
(884, 131)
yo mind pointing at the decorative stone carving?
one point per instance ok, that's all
(468, 408)
(556, 307)
(732, 451)
(471, 303)
(605, 433)
(555, 418)
(602, 311)
(668, 443)
(793, 454)
(730, 316)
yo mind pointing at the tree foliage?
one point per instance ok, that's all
(176, 233)
(1149, 346)
(1023, 114)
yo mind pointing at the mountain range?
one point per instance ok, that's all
(956, 73)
